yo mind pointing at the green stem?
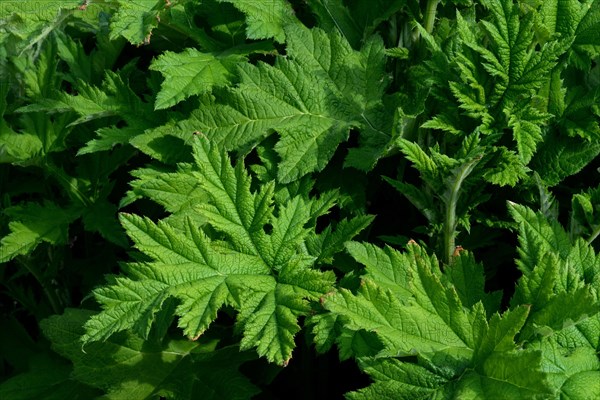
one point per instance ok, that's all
(430, 12)
(50, 295)
(450, 224)
(451, 200)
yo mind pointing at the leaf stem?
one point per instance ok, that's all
(450, 224)
(430, 12)
(451, 201)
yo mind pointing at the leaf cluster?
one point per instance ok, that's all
(233, 199)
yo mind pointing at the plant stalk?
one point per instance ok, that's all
(50, 295)
(430, 12)
(451, 200)
(450, 224)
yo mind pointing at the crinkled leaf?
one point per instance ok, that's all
(580, 20)
(189, 73)
(266, 19)
(178, 192)
(135, 20)
(537, 236)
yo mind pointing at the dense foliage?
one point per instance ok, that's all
(377, 199)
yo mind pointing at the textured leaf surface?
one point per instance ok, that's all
(559, 157)
(135, 20)
(460, 352)
(580, 20)
(114, 98)
(312, 98)
(178, 192)
(266, 277)
(189, 73)
(266, 19)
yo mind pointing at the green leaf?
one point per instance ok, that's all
(573, 372)
(33, 224)
(28, 28)
(266, 19)
(178, 192)
(537, 287)
(267, 277)
(537, 236)
(460, 354)
(467, 277)
(329, 242)
(126, 366)
(527, 130)
(189, 73)
(101, 217)
(399, 380)
(135, 20)
(506, 168)
(48, 379)
(497, 74)
(113, 99)
(506, 375)
(311, 98)
(355, 20)
(415, 294)
(584, 218)
(559, 157)
(19, 148)
(580, 21)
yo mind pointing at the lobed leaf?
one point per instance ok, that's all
(267, 277)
